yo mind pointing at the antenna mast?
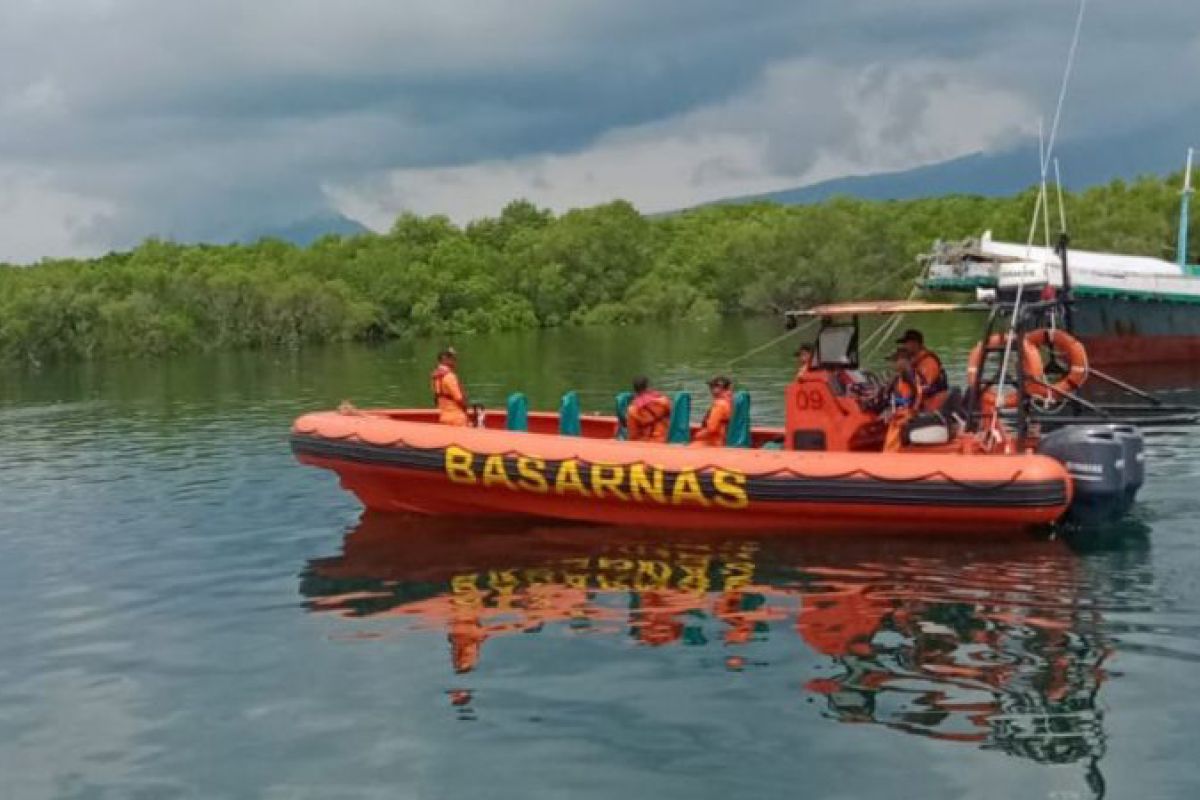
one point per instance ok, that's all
(1181, 252)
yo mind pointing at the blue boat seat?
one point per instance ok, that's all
(623, 401)
(517, 418)
(568, 415)
(738, 434)
(679, 430)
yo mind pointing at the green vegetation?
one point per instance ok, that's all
(526, 268)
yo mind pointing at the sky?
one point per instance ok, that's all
(209, 120)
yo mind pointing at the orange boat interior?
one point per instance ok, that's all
(592, 426)
(821, 414)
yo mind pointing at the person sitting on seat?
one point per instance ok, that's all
(715, 428)
(448, 393)
(904, 399)
(928, 366)
(648, 414)
(804, 360)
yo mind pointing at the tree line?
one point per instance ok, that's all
(528, 268)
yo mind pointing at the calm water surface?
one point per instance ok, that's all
(186, 612)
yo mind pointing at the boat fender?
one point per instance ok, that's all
(1095, 459)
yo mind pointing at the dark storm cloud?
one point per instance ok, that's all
(205, 118)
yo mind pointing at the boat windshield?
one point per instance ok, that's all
(837, 346)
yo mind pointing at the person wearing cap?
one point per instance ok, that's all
(905, 397)
(927, 365)
(649, 413)
(448, 393)
(715, 427)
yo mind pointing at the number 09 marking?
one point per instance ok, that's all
(810, 400)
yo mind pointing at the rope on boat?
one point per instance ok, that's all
(880, 335)
(793, 332)
(1045, 156)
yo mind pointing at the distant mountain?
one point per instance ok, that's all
(1085, 162)
(306, 231)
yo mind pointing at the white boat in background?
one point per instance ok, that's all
(1126, 309)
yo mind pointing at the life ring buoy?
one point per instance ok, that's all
(1065, 346)
(1031, 366)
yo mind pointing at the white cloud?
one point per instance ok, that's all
(203, 120)
(802, 121)
(33, 213)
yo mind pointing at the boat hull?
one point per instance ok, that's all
(1121, 330)
(418, 467)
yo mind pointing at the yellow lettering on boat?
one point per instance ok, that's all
(636, 482)
(645, 483)
(687, 489)
(495, 473)
(608, 479)
(460, 465)
(568, 480)
(532, 469)
(731, 489)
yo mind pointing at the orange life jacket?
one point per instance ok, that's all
(931, 372)
(448, 396)
(648, 417)
(907, 391)
(714, 429)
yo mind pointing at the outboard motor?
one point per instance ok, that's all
(1106, 466)
(1135, 459)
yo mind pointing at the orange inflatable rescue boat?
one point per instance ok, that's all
(824, 469)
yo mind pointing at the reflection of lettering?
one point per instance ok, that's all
(689, 573)
(638, 483)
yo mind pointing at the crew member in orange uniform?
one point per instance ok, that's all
(715, 427)
(929, 369)
(448, 393)
(905, 396)
(649, 413)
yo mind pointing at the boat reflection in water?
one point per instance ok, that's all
(997, 644)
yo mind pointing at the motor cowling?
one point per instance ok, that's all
(1106, 464)
(1135, 458)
